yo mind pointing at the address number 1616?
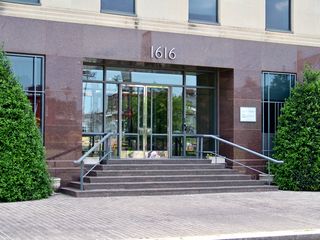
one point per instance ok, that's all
(163, 52)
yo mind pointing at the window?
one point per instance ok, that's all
(276, 88)
(29, 71)
(126, 7)
(205, 11)
(23, 1)
(278, 15)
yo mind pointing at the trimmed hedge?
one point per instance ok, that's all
(297, 139)
(23, 171)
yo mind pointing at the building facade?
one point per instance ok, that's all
(158, 73)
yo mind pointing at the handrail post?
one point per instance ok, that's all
(81, 175)
(106, 148)
(269, 175)
(198, 147)
(201, 147)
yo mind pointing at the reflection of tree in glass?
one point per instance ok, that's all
(177, 113)
(159, 110)
(279, 85)
(130, 111)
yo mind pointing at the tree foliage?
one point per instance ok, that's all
(23, 171)
(297, 140)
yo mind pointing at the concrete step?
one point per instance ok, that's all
(165, 191)
(158, 166)
(119, 179)
(60, 163)
(158, 161)
(162, 172)
(251, 162)
(244, 170)
(171, 184)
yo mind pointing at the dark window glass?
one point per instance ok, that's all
(29, 71)
(118, 6)
(276, 89)
(278, 15)
(203, 10)
(277, 86)
(23, 1)
(23, 69)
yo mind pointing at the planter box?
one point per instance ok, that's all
(266, 177)
(56, 183)
(217, 160)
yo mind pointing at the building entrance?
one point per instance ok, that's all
(154, 113)
(145, 124)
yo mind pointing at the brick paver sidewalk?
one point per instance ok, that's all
(63, 217)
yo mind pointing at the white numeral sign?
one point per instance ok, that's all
(163, 52)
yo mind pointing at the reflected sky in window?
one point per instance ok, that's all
(203, 10)
(278, 16)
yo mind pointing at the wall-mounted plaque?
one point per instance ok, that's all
(248, 114)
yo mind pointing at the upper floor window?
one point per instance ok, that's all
(278, 15)
(203, 11)
(126, 7)
(23, 1)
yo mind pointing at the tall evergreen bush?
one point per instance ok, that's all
(297, 140)
(23, 171)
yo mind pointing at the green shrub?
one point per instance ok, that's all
(297, 140)
(23, 171)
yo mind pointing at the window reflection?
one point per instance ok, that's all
(276, 89)
(23, 69)
(118, 6)
(203, 10)
(112, 100)
(177, 109)
(92, 73)
(191, 111)
(278, 15)
(193, 108)
(143, 76)
(201, 79)
(24, 1)
(29, 71)
(92, 107)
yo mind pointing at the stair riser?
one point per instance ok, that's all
(166, 192)
(156, 173)
(166, 185)
(158, 161)
(166, 179)
(157, 167)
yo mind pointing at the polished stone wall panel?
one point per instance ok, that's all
(65, 45)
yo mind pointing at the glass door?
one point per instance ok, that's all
(144, 122)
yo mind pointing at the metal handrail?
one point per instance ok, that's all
(235, 145)
(269, 159)
(93, 148)
(81, 160)
(200, 136)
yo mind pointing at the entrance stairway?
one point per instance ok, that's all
(163, 177)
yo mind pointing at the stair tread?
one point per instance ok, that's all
(168, 176)
(163, 170)
(171, 189)
(163, 164)
(171, 182)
